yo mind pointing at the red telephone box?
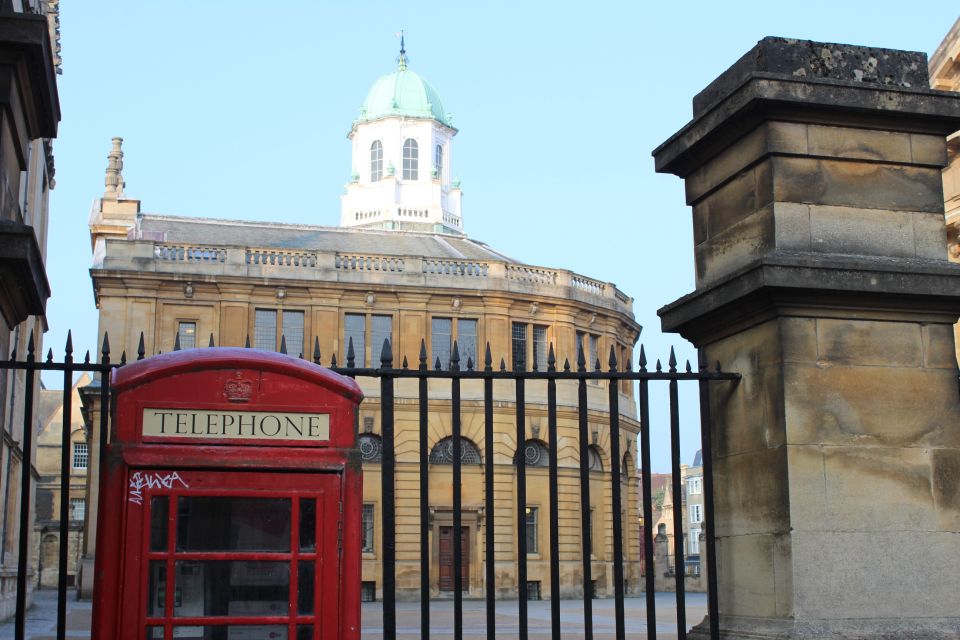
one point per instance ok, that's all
(231, 503)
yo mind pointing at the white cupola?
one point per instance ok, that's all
(402, 145)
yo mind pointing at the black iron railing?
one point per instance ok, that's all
(388, 374)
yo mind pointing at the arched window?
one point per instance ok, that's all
(442, 452)
(535, 454)
(438, 162)
(410, 159)
(371, 447)
(376, 161)
(594, 458)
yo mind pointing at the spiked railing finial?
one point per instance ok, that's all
(423, 354)
(68, 350)
(487, 359)
(613, 358)
(283, 344)
(176, 342)
(455, 357)
(643, 359)
(672, 361)
(316, 349)
(551, 359)
(581, 359)
(386, 355)
(141, 348)
(351, 356)
(212, 343)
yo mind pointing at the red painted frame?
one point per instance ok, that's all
(196, 379)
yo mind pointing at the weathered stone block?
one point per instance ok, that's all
(946, 488)
(926, 149)
(792, 226)
(851, 183)
(754, 574)
(807, 486)
(876, 489)
(843, 575)
(730, 162)
(736, 199)
(839, 404)
(735, 246)
(850, 230)
(756, 497)
(860, 144)
(930, 235)
(798, 339)
(939, 347)
(869, 342)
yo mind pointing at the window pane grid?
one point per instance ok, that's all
(519, 346)
(376, 161)
(187, 333)
(467, 342)
(539, 348)
(81, 455)
(367, 529)
(438, 161)
(381, 329)
(293, 332)
(441, 334)
(410, 159)
(354, 326)
(265, 330)
(532, 530)
(78, 508)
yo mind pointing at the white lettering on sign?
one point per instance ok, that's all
(141, 480)
(242, 425)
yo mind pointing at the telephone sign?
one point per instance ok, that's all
(230, 501)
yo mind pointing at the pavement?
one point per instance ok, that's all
(42, 618)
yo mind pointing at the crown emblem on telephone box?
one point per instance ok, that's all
(238, 389)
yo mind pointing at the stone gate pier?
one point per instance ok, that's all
(813, 171)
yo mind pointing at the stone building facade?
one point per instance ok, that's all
(401, 268)
(945, 76)
(29, 117)
(49, 498)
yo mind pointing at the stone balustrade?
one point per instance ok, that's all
(477, 275)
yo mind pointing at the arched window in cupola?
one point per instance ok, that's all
(438, 162)
(411, 159)
(376, 161)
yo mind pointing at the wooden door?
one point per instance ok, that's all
(447, 578)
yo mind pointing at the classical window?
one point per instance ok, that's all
(519, 343)
(694, 486)
(694, 546)
(696, 513)
(376, 161)
(442, 452)
(540, 347)
(438, 161)
(371, 447)
(355, 327)
(443, 331)
(410, 159)
(532, 514)
(187, 334)
(269, 333)
(594, 459)
(81, 455)
(78, 508)
(366, 529)
(535, 454)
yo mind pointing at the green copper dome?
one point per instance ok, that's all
(402, 93)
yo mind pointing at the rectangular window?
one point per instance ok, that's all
(78, 508)
(368, 592)
(81, 455)
(532, 530)
(540, 347)
(265, 330)
(594, 352)
(381, 330)
(694, 547)
(519, 346)
(354, 327)
(696, 513)
(187, 333)
(695, 486)
(467, 342)
(293, 332)
(441, 338)
(366, 529)
(533, 590)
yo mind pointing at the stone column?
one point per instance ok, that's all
(813, 171)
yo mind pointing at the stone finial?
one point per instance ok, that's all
(114, 180)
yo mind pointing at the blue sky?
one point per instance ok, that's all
(232, 111)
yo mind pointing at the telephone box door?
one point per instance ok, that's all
(238, 555)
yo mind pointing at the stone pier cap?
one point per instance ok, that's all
(788, 79)
(813, 170)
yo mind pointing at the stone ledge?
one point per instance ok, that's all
(810, 284)
(741, 627)
(23, 279)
